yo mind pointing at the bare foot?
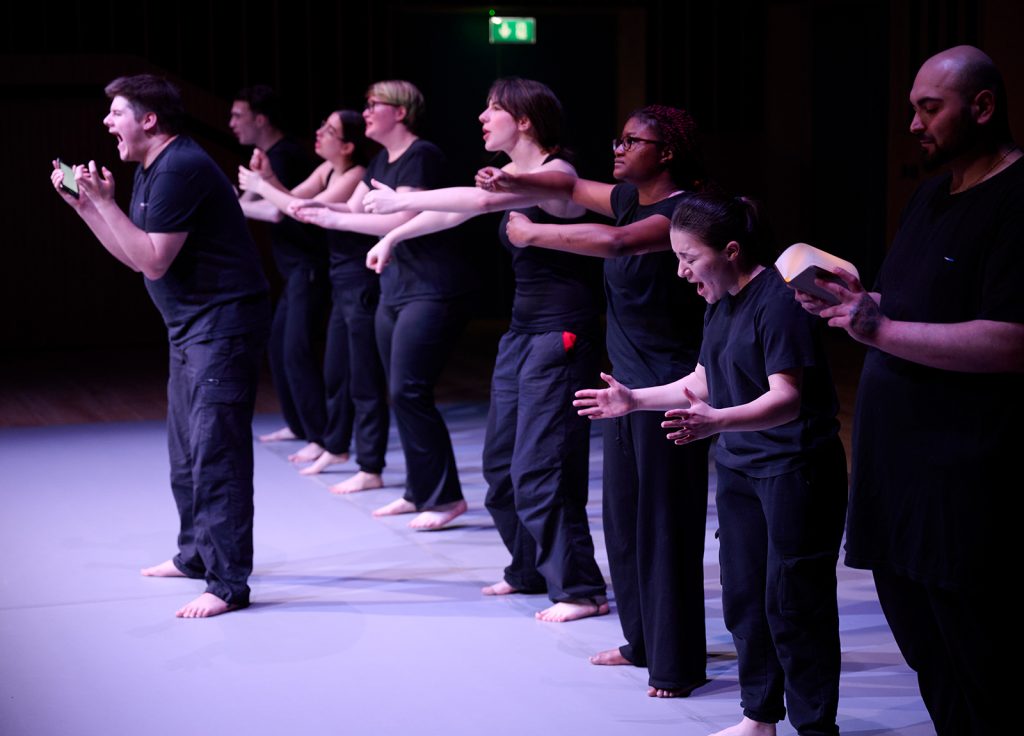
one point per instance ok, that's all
(307, 454)
(163, 570)
(610, 657)
(499, 588)
(204, 606)
(437, 518)
(398, 506)
(325, 459)
(748, 727)
(359, 482)
(572, 610)
(279, 435)
(675, 692)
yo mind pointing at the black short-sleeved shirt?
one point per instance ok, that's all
(348, 256)
(214, 287)
(431, 266)
(934, 449)
(294, 243)
(654, 317)
(554, 290)
(761, 331)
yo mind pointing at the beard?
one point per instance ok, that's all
(961, 139)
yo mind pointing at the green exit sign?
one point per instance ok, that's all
(512, 30)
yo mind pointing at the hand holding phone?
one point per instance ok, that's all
(67, 183)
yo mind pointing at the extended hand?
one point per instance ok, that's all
(379, 256)
(518, 229)
(494, 179)
(692, 424)
(260, 164)
(249, 181)
(95, 183)
(605, 403)
(57, 177)
(297, 204)
(381, 200)
(314, 213)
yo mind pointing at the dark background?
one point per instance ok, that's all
(802, 104)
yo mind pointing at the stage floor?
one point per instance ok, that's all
(359, 626)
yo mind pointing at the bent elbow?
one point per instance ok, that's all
(157, 268)
(155, 272)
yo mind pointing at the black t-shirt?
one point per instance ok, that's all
(431, 266)
(554, 290)
(933, 449)
(295, 244)
(348, 256)
(214, 287)
(654, 317)
(761, 331)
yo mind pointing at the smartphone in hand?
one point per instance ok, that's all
(68, 184)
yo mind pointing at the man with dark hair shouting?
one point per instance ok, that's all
(185, 232)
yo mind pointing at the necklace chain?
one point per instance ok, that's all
(984, 176)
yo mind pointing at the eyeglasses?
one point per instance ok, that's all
(371, 104)
(326, 126)
(629, 141)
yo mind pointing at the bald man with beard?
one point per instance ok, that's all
(941, 395)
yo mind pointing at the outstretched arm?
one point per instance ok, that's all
(592, 239)
(378, 257)
(383, 200)
(593, 195)
(311, 191)
(618, 400)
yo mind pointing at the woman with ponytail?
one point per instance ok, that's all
(353, 374)
(763, 386)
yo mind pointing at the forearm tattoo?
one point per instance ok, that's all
(865, 316)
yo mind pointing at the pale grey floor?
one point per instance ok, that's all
(360, 626)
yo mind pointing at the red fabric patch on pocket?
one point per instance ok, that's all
(568, 341)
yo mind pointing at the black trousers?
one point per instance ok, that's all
(779, 545)
(211, 394)
(536, 463)
(415, 341)
(956, 644)
(354, 377)
(295, 363)
(655, 511)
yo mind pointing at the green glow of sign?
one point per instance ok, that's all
(512, 30)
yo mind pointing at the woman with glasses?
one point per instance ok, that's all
(536, 449)
(655, 493)
(422, 308)
(353, 375)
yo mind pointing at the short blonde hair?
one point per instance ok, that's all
(401, 93)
